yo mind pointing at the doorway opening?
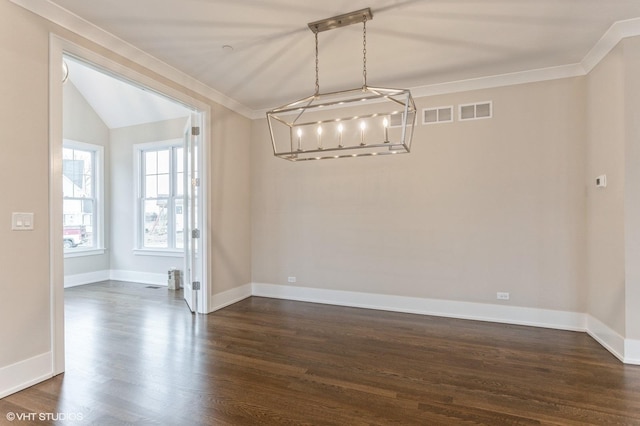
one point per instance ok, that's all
(127, 184)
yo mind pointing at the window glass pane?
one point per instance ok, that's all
(84, 167)
(77, 173)
(155, 224)
(150, 163)
(162, 180)
(79, 204)
(151, 187)
(179, 221)
(163, 161)
(163, 185)
(78, 223)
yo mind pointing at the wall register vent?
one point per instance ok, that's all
(437, 115)
(475, 111)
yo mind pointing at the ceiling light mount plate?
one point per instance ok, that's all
(343, 20)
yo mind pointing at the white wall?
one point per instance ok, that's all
(123, 198)
(477, 207)
(82, 124)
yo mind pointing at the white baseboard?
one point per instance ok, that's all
(229, 297)
(139, 277)
(117, 275)
(88, 278)
(445, 308)
(632, 351)
(21, 375)
(608, 338)
(626, 350)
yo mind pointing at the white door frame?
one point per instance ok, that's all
(57, 47)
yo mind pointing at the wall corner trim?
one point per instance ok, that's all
(22, 374)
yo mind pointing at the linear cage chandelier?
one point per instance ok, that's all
(363, 121)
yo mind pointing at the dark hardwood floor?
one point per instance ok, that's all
(135, 355)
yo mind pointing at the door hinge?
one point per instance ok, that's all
(195, 131)
(195, 285)
(195, 233)
(195, 181)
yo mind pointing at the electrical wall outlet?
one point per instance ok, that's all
(502, 295)
(292, 279)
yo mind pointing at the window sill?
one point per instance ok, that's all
(84, 252)
(163, 253)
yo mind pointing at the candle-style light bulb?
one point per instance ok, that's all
(385, 124)
(299, 139)
(319, 137)
(340, 128)
(363, 126)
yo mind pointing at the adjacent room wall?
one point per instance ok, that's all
(123, 233)
(82, 124)
(478, 207)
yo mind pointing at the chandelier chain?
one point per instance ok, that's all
(364, 50)
(317, 66)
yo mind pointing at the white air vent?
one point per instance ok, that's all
(437, 115)
(475, 111)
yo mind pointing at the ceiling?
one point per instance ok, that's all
(410, 43)
(119, 103)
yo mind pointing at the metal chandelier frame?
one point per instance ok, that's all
(364, 121)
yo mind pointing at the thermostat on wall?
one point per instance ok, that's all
(601, 181)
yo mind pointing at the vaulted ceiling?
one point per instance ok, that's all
(410, 43)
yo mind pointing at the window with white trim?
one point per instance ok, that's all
(82, 183)
(160, 196)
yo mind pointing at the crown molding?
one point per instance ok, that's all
(509, 79)
(616, 32)
(74, 23)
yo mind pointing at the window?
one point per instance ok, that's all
(161, 199)
(82, 183)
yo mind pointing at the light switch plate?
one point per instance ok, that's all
(22, 221)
